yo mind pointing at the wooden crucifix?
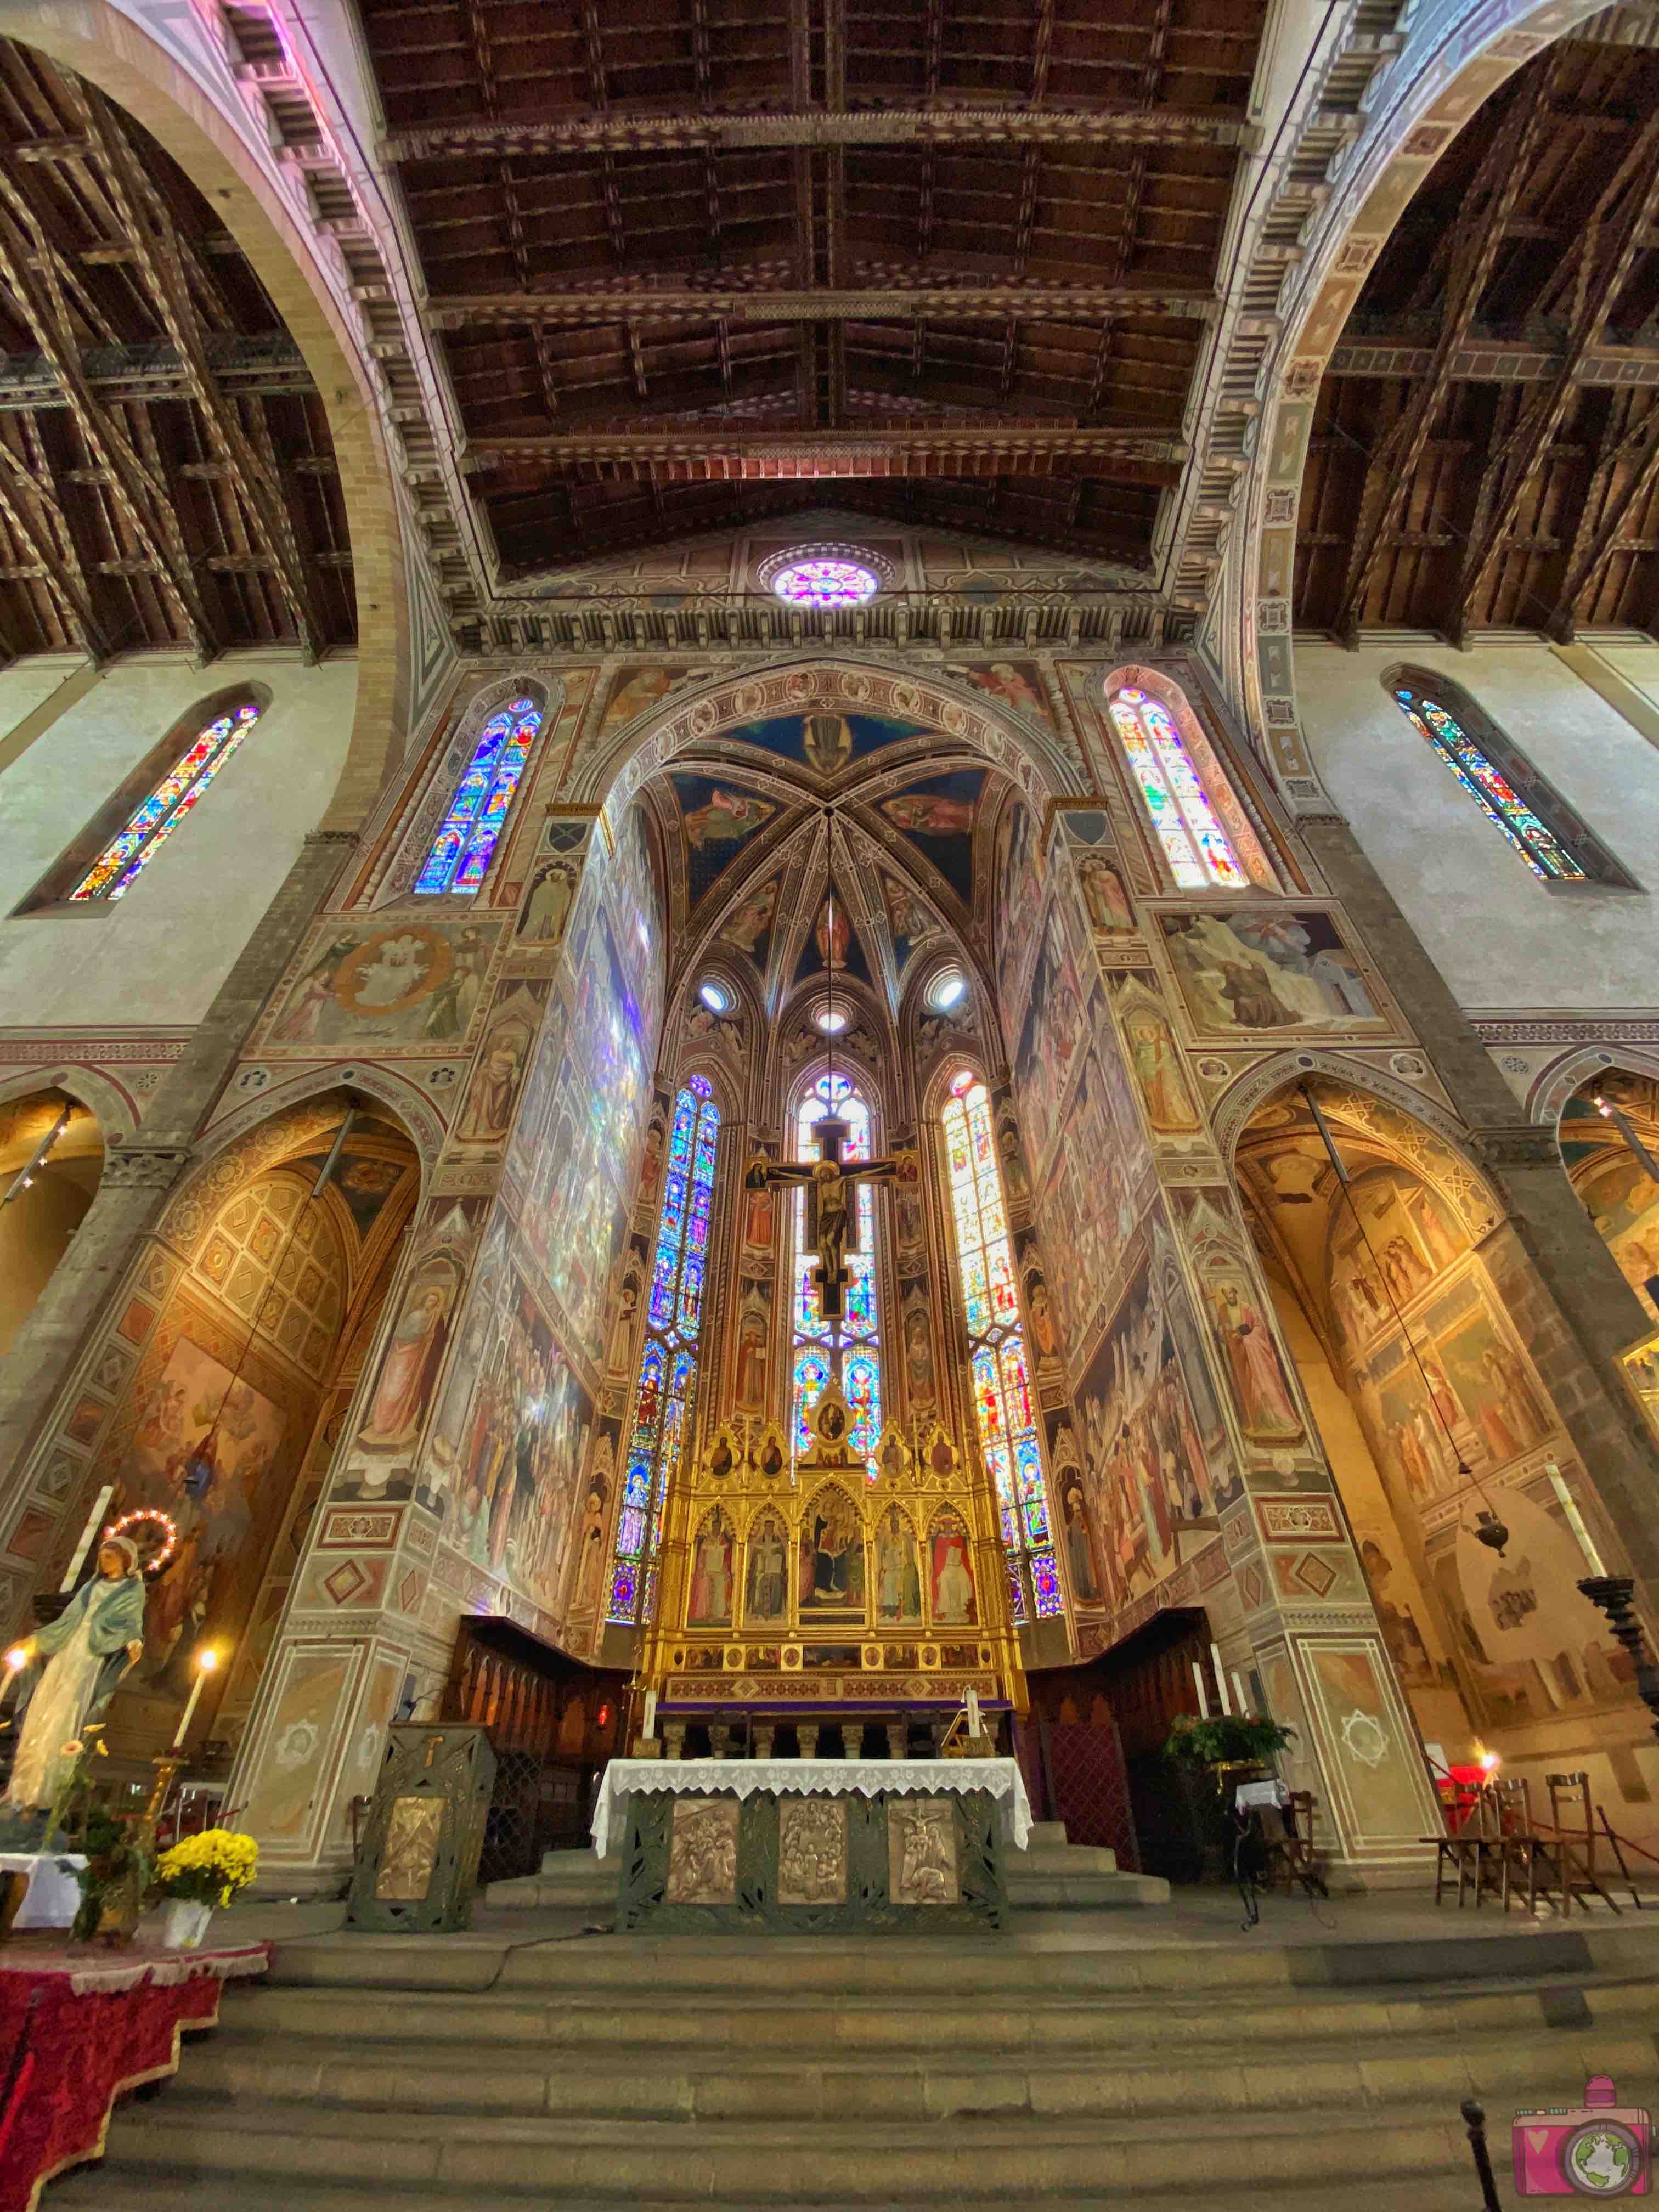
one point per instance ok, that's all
(831, 1184)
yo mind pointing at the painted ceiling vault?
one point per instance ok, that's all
(797, 835)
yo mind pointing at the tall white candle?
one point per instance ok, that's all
(1221, 1680)
(650, 1729)
(204, 1666)
(86, 1536)
(1238, 1692)
(1203, 1695)
(1574, 1518)
(973, 1712)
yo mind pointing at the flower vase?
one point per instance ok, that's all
(184, 1924)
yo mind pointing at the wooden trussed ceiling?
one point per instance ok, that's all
(166, 476)
(1485, 447)
(683, 255)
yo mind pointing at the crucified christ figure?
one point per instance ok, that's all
(832, 1202)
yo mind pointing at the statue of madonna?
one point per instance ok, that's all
(70, 1673)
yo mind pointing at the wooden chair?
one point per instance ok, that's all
(1474, 1851)
(1572, 1842)
(1523, 1858)
(1291, 1858)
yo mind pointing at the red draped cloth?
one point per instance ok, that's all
(77, 2029)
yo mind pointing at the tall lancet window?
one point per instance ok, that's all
(157, 816)
(848, 1350)
(665, 1399)
(1003, 1403)
(459, 859)
(1197, 848)
(1506, 788)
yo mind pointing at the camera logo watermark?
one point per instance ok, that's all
(1598, 2148)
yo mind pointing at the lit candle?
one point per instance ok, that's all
(973, 1712)
(86, 1536)
(1203, 1695)
(650, 1729)
(1238, 1692)
(1574, 1518)
(206, 1660)
(1221, 1681)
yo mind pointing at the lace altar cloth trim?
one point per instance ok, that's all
(74, 2034)
(811, 1778)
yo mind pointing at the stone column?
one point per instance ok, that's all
(1563, 1287)
(138, 1178)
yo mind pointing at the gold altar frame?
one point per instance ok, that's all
(926, 1509)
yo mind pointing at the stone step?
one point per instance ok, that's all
(119, 2188)
(727, 1968)
(739, 2082)
(1038, 2021)
(554, 2158)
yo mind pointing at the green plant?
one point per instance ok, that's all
(1210, 1742)
(117, 1860)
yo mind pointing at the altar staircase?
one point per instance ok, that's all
(1049, 1875)
(1066, 2065)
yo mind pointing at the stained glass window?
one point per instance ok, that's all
(1495, 793)
(459, 858)
(824, 582)
(1004, 1404)
(1194, 843)
(850, 1349)
(665, 1398)
(149, 829)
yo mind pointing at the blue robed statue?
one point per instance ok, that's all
(70, 1672)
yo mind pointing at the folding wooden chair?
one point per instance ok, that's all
(1472, 1851)
(1523, 1853)
(1572, 1842)
(1290, 1855)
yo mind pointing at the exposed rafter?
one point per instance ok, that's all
(1015, 449)
(143, 217)
(1473, 250)
(954, 125)
(1595, 269)
(1608, 509)
(1485, 359)
(661, 300)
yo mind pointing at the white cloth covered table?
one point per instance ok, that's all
(834, 1778)
(53, 1897)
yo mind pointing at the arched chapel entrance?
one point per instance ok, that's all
(51, 1159)
(1406, 1316)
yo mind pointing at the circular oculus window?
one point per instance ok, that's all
(825, 580)
(947, 990)
(714, 996)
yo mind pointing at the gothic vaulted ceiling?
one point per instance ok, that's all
(166, 474)
(1485, 448)
(689, 258)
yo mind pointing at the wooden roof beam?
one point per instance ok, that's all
(717, 452)
(143, 500)
(144, 216)
(1473, 250)
(29, 506)
(1605, 511)
(959, 125)
(1595, 269)
(653, 300)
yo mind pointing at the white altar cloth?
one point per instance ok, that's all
(53, 1897)
(834, 1778)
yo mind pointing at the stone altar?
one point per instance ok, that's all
(809, 1845)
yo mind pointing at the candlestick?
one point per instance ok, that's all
(973, 1712)
(650, 1728)
(86, 1536)
(1221, 1681)
(1574, 1518)
(1203, 1696)
(1238, 1692)
(206, 1660)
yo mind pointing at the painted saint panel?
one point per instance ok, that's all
(405, 987)
(1247, 972)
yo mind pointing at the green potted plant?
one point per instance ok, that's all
(198, 1875)
(1232, 1740)
(113, 1881)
